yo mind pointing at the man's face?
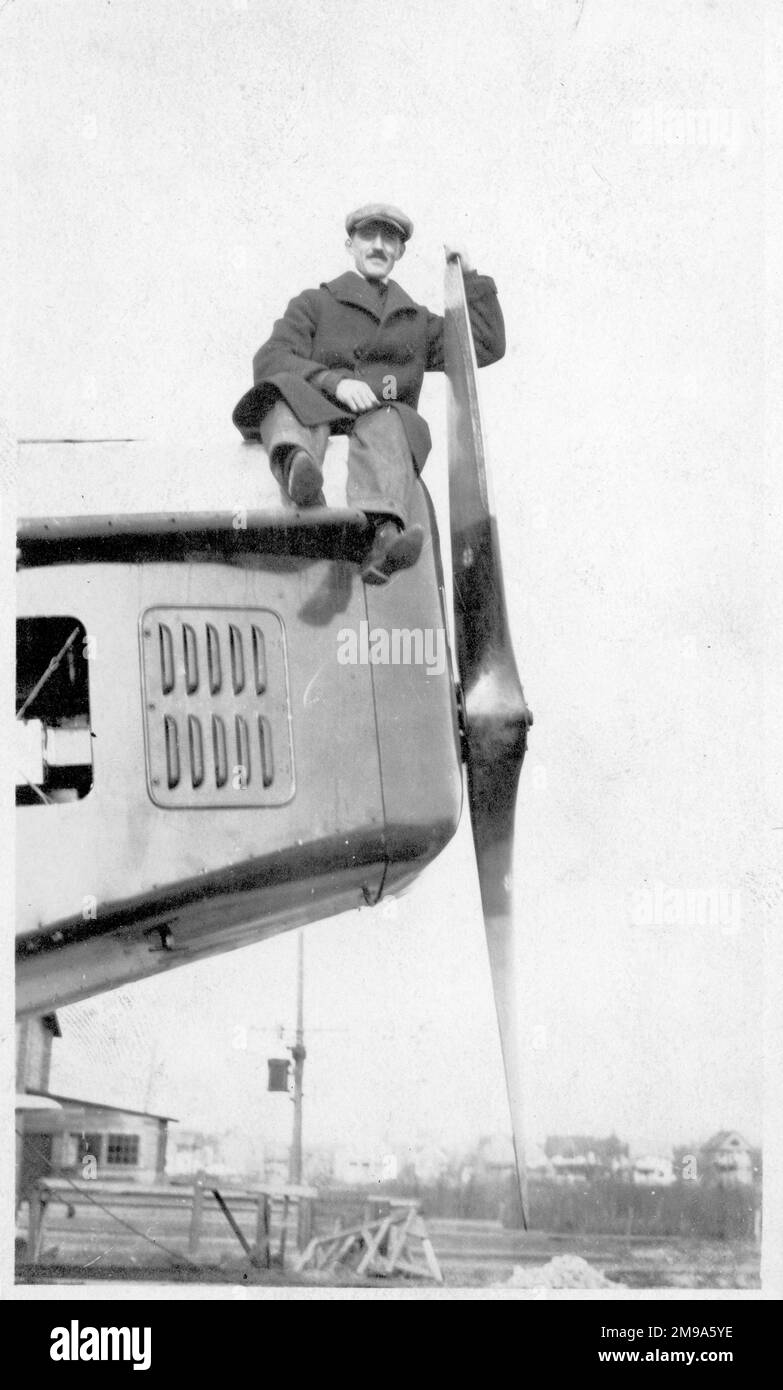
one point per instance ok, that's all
(375, 247)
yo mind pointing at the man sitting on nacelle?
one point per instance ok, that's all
(349, 358)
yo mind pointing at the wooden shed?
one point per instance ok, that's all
(86, 1139)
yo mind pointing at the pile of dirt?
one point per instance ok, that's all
(563, 1272)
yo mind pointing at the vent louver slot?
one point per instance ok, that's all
(166, 658)
(242, 749)
(259, 659)
(215, 674)
(172, 750)
(219, 750)
(237, 659)
(265, 744)
(190, 650)
(196, 747)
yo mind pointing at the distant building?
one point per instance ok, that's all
(582, 1157)
(494, 1158)
(580, 1168)
(726, 1160)
(246, 1159)
(653, 1170)
(360, 1169)
(495, 1154)
(621, 1168)
(537, 1165)
(191, 1153)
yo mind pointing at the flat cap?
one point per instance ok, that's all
(380, 212)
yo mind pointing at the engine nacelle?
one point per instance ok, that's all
(241, 736)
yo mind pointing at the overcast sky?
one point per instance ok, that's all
(184, 170)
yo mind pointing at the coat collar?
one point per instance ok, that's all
(352, 288)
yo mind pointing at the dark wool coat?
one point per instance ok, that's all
(343, 329)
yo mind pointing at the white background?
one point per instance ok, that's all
(182, 170)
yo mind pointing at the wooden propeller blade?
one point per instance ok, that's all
(496, 717)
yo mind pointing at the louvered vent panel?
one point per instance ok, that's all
(216, 707)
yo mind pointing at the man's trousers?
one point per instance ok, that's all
(380, 466)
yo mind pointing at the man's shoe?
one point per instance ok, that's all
(303, 479)
(393, 549)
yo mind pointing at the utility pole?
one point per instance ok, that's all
(298, 1053)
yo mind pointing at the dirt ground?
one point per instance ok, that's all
(680, 1264)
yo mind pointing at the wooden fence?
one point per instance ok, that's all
(259, 1218)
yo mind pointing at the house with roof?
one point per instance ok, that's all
(726, 1160)
(87, 1139)
(583, 1157)
(59, 1135)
